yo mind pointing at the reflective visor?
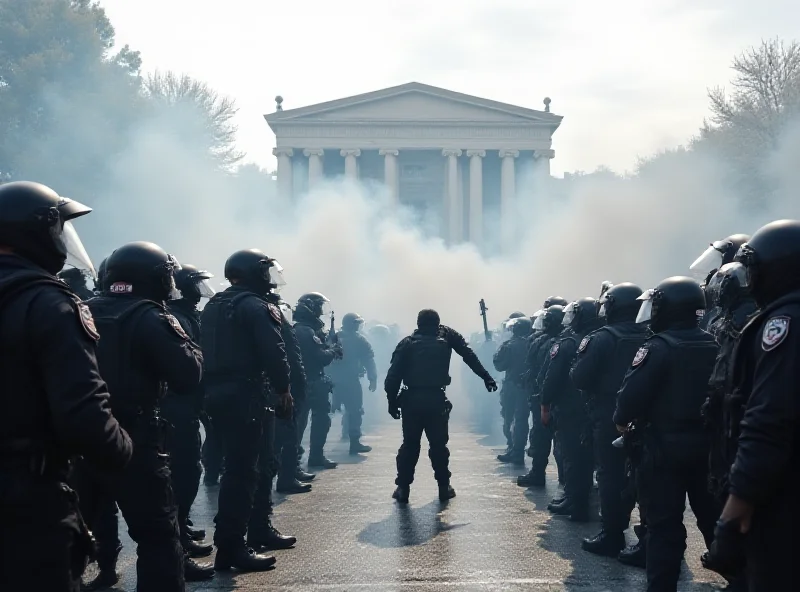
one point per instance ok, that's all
(602, 313)
(205, 289)
(74, 250)
(569, 315)
(276, 275)
(710, 260)
(646, 310)
(538, 324)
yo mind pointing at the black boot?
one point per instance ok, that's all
(635, 555)
(197, 572)
(532, 479)
(561, 508)
(268, 537)
(401, 494)
(107, 575)
(511, 457)
(604, 544)
(357, 447)
(196, 534)
(446, 492)
(319, 461)
(196, 548)
(242, 559)
(290, 487)
(302, 476)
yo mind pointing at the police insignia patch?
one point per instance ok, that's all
(554, 351)
(87, 321)
(775, 331)
(275, 312)
(640, 356)
(700, 313)
(584, 342)
(173, 322)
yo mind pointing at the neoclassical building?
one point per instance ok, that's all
(446, 155)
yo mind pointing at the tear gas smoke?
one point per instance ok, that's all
(344, 240)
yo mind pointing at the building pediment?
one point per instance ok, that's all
(414, 103)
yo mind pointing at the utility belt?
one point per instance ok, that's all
(26, 456)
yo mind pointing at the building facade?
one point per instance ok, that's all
(446, 155)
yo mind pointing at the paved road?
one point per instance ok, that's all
(494, 536)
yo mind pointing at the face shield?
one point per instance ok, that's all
(275, 275)
(538, 324)
(602, 312)
(68, 241)
(646, 310)
(326, 307)
(569, 314)
(710, 260)
(204, 288)
(735, 272)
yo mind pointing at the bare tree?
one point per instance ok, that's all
(214, 112)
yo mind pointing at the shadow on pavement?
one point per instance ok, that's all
(407, 526)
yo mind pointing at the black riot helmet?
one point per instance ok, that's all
(620, 303)
(141, 269)
(771, 261)
(728, 287)
(100, 286)
(192, 283)
(718, 254)
(516, 315)
(315, 303)
(352, 322)
(673, 303)
(555, 300)
(581, 314)
(252, 269)
(35, 224)
(520, 326)
(552, 319)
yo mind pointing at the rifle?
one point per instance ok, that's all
(486, 332)
(333, 338)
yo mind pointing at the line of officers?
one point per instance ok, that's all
(71, 454)
(687, 389)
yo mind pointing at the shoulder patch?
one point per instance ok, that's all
(120, 288)
(87, 321)
(640, 356)
(554, 351)
(775, 331)
(584, 344)
(275, 312)
(173, 322)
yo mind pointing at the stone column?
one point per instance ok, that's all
(314, 156)
(454, 224)
(541, 161)
(476, 195)
(351, 162)
(285, 172)
(390, 176)
(507, 193)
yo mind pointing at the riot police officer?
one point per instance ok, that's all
(604, 357)
(663, 391)
(245, 366)
(511, 358)
(559, 395)
(55, 405)
(759, 521)
(317, 355)
(548, 326)
(507, 396)
(182, 411)
(421, 362)
(142, 349)
(76, 279)
(357, 359)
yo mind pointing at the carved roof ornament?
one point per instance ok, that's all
(547, 102)
(279, 103)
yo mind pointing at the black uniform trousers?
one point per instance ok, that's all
(39, 537)
(667, 484)
(351, 394)
(423, 411)
(771, 543)
(541, 440)
(211, 453)
(521, 410)
(286, 445)
(100, 511)
(238, 418)
(267, 469)
(183, 443)
(615, 505)
(507, 406)
(317, 408)
(574, 431)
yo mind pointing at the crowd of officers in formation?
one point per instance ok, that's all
(684, 389)
(688, 389)
(105, 392)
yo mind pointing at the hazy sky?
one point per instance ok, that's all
(630, 76)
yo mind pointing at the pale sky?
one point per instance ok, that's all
(629, 76)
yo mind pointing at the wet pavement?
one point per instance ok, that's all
(493, 536)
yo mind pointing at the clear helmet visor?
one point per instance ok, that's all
(205, 289)
(710, 260)
(735, 271)
(538, 324)
(71, 244)
(326, 307)
(602, 313)
(646, 310)
(569, 315)
(509, 324)
(276, 275)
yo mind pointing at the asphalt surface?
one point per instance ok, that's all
(493, 536)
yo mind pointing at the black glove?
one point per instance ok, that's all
(726, 555)
(394, 410)
(448, 407)
(491, 385)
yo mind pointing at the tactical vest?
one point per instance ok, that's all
(115, 319)
(517, 358)
(350, 366)
(626, 344)
(429, 362)
(225, 349)
(685, 387)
